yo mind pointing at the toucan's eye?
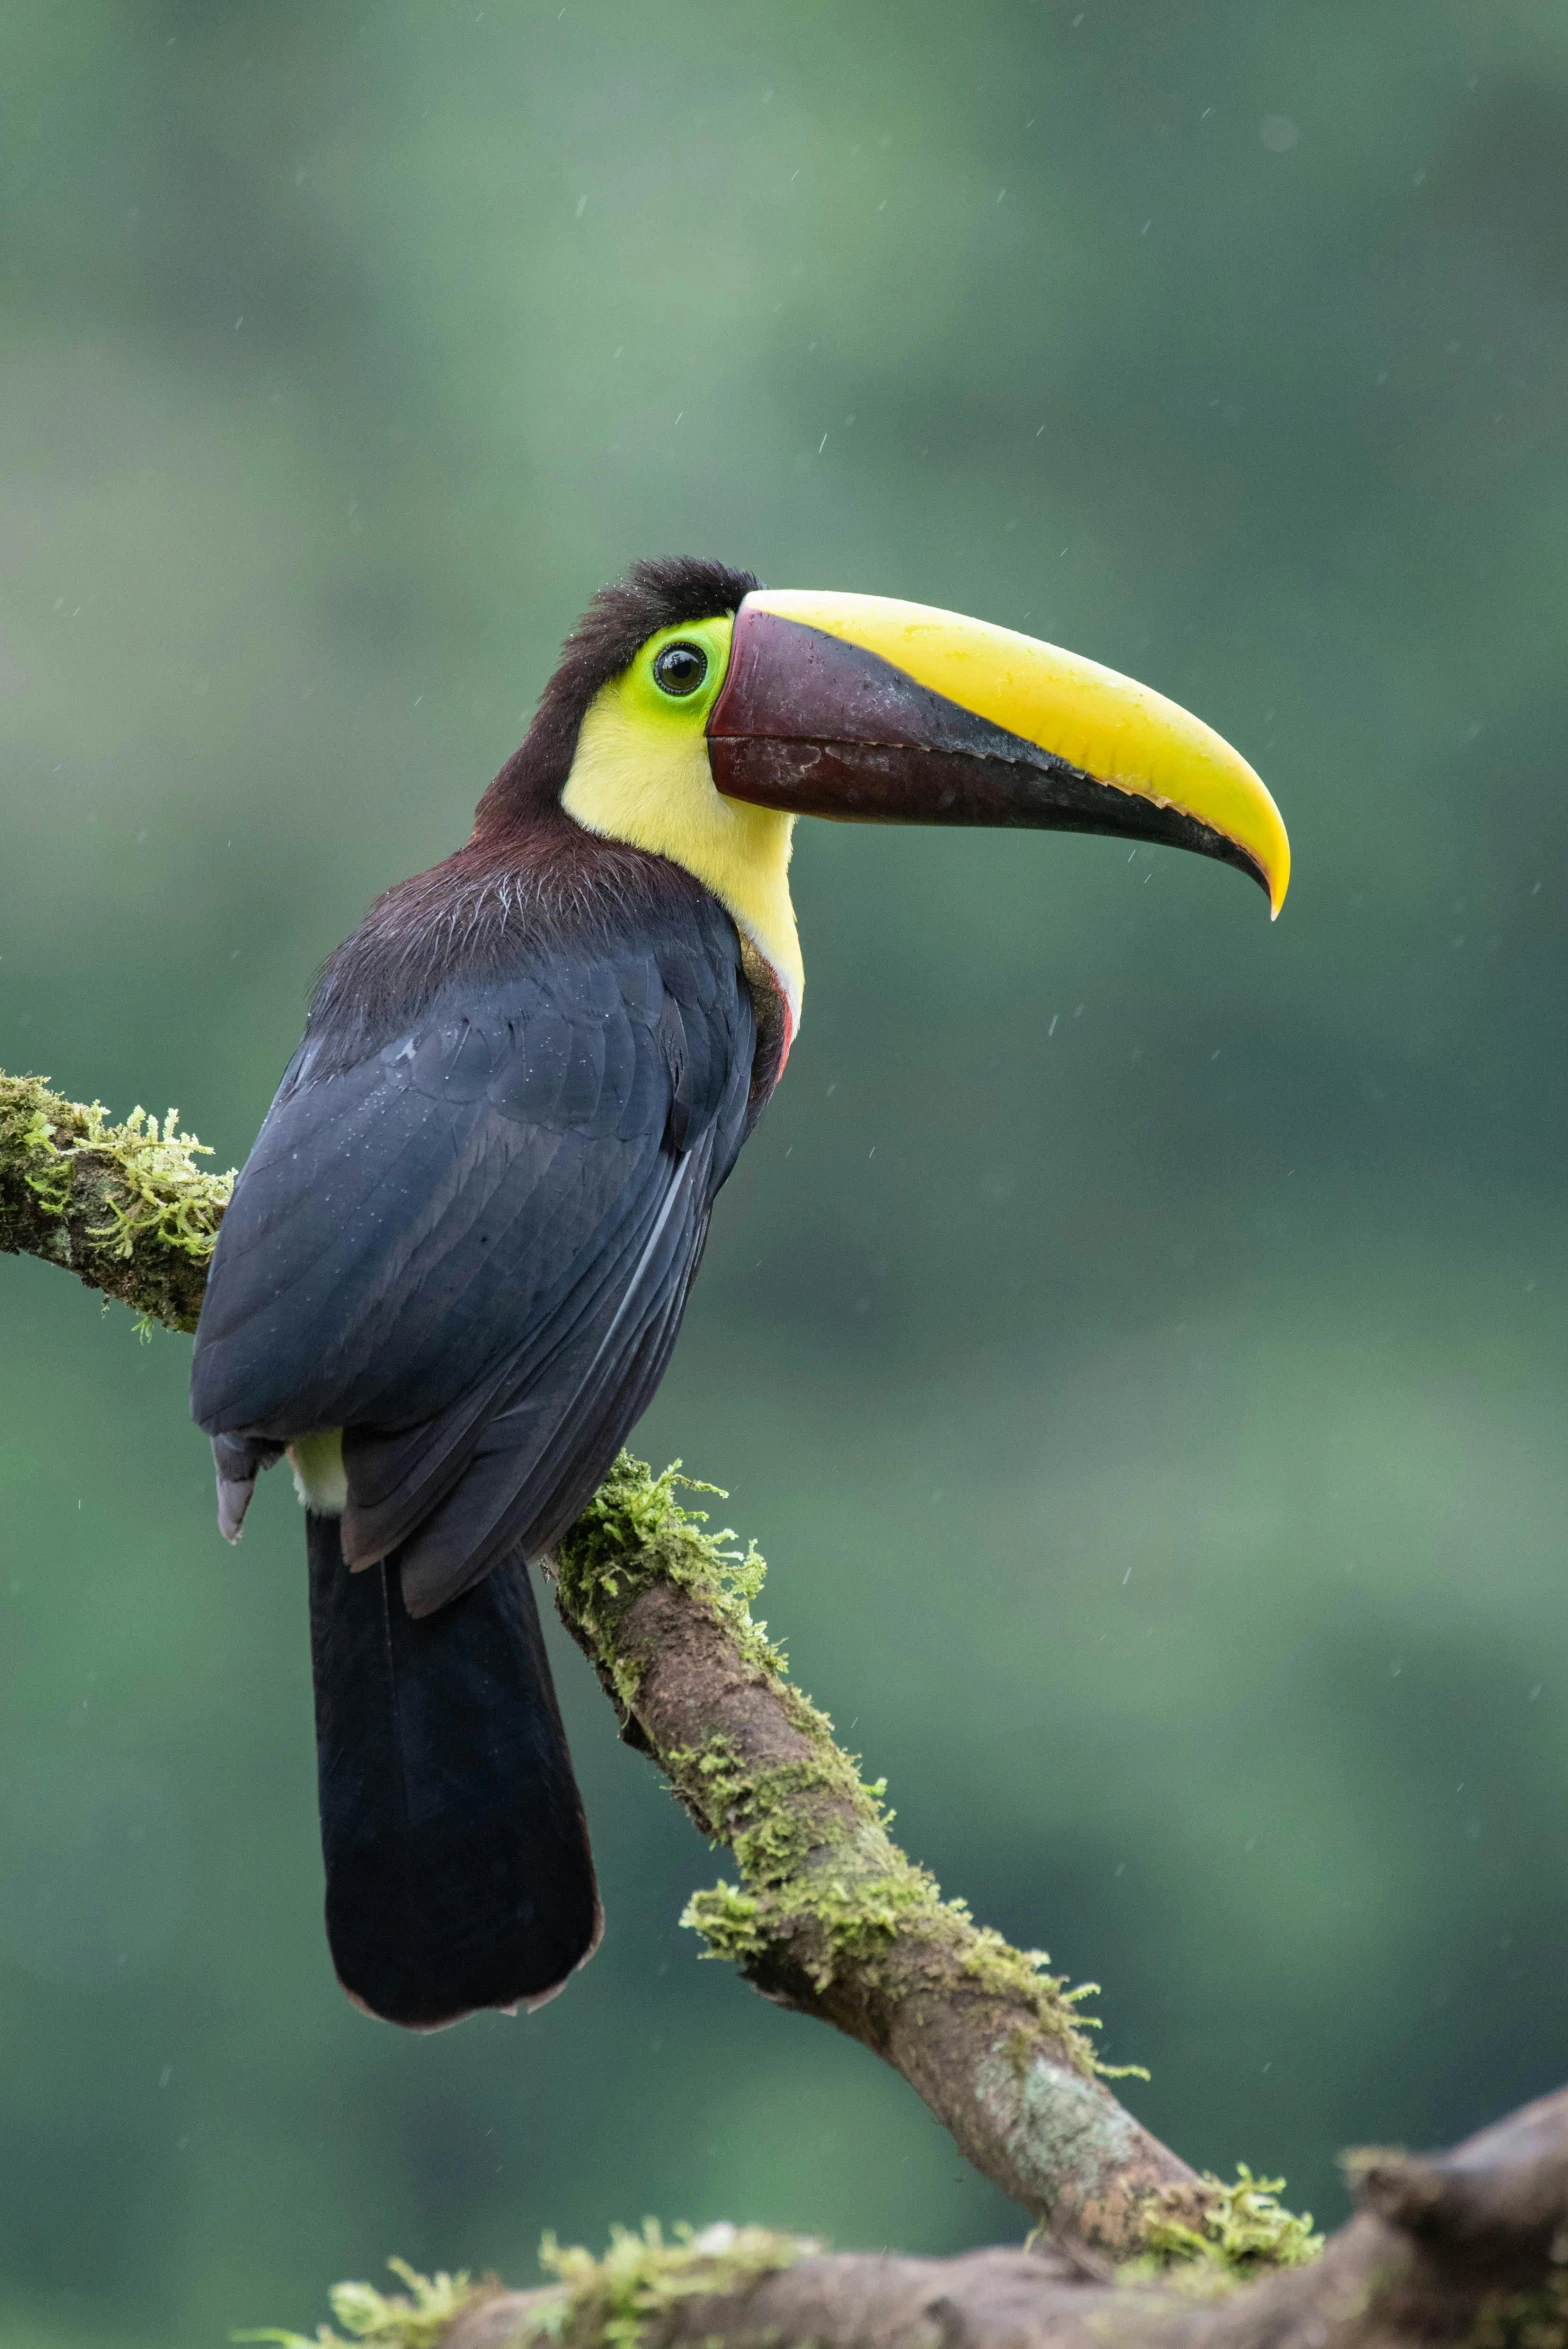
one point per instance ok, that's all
(680, 669)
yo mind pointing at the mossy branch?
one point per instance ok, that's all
(124, 1207)
(829, 1916)
(1466, 2250)
(834, 1920)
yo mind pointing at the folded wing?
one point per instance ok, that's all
(470, 1247)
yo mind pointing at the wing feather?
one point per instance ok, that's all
(470, 1248)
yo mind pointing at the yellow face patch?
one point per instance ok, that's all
(641, 774)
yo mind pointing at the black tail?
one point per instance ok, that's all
(458, 1868)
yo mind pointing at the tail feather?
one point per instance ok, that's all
(458, 1869)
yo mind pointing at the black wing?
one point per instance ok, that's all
(471, 1248)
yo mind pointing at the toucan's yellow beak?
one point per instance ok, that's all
(870, 710)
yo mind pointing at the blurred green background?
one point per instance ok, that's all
(1136, 1335)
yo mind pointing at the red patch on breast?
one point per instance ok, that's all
(775, 1020)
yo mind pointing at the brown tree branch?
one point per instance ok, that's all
(829, 1917)
(1470, 2246)
(1463, 2248)
(832, 1919)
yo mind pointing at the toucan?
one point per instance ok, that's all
(455, 1263)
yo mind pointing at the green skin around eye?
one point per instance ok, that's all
(687, 710)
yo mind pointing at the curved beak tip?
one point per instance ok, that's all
(1276, 874)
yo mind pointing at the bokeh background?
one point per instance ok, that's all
(1136, 1335)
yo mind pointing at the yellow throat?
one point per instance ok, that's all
(641, 775)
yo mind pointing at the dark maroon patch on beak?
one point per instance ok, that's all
(818, 727)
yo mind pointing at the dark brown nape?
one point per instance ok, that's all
(661, 592)
(460, 920)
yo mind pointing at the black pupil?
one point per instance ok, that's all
(680, 668)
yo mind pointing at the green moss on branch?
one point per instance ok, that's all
(608, 2303)
(828, 1915)
(820, 1876)
(125, 1207)
(1238, 2231)
(419, 2317)
(614, 2301)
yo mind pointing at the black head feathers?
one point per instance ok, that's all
(662, 592)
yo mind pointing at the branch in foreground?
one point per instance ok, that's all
(1468, 2247)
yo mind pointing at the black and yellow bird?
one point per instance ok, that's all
(457, 1258)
